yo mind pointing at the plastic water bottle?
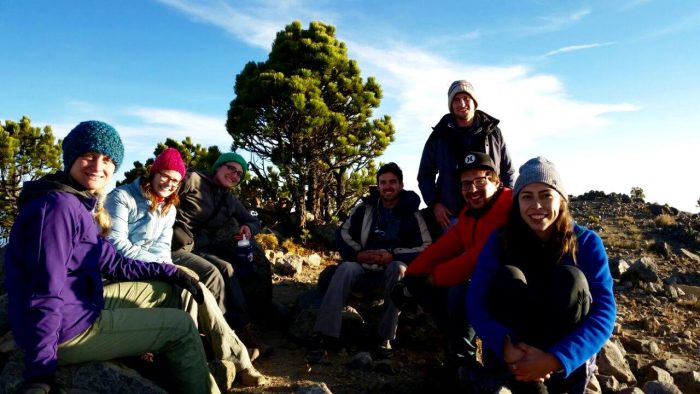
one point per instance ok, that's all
(244, 258)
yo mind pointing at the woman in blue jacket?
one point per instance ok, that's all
(143, 214)
(60, 312)
(541, 296)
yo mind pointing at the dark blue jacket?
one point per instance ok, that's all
(444, 151)
(353, 236)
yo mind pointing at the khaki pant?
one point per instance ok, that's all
(127, 328)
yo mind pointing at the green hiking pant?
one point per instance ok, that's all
(141, 317)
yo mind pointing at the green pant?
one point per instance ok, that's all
(225, 344)
(141, 317)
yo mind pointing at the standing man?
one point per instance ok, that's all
(465, 129)
(377, 241)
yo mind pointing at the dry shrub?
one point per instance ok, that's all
(289, 246)
(267, 241)
(664, 220)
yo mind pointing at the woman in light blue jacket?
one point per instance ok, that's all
(143, 214)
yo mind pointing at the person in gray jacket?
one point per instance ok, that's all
(209, 222)
(464, 129)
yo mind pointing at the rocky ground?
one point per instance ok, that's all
(653, 252)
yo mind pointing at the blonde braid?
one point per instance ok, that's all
(102, 218)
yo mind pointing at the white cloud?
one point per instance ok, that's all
(552, 23)
(572, 48)
(255, 23)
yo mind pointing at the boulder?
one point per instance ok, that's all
(611, 362)
(644, 270)
(688, 382)
(656, 387)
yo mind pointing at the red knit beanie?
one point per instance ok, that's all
(169, 159)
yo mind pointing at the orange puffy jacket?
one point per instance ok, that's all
(452, 258)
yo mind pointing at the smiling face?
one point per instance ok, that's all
(477, 187)
(165, 183)
(389, 188)
(92, 170)
(539, 208)
(464, 108)
(228, 174)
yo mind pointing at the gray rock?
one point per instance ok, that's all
(93, 377)
(652, 372)
(617, 267)
(675, 365)
(692, 256)
(316, 388)
(361, 361)
(313, 260)
(289, 265)
(608, 383)
(224, 373)
(643, 346)
(388, 367)
(688, 382)
(611, 362)
(631, 390)
(656, 387)
(644, 270)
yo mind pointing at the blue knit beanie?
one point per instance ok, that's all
(227, 157)
(92, 136)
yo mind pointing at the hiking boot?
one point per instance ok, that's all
(251, 377)
(384, 350)
(317, 349)
(247, 335)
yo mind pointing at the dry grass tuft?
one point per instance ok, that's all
(664, 220)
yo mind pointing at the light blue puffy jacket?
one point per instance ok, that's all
(138, 233)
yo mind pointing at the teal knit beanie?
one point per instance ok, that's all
(92, 136)
(228, 157)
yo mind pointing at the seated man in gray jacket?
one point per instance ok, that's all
(377, 242)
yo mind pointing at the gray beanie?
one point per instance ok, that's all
(459, 87)
(539, 170)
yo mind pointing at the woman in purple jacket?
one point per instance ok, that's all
(60, 312)
(541, 295)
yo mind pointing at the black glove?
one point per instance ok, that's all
(189, 283)
(43, 384)
(402, 297)
(417, 284)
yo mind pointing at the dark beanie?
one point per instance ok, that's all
(92, 136)
(477, 160)
(539, 170)
(227, 157)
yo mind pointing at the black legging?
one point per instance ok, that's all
(540, 311)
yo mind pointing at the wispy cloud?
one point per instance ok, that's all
(689, 22)
(551, 23)
(255, 23)
(572, 48)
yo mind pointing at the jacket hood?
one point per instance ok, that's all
(485, 121)
(57, 182)
(409, 201)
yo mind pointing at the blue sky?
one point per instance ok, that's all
(609, 91)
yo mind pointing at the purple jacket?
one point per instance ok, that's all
(54, 262)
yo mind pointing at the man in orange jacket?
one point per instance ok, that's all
(437, 279)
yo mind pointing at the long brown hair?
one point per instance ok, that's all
(518, 234)
(172, 200)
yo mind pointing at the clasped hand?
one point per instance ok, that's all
(528, 363)
(378, 256)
